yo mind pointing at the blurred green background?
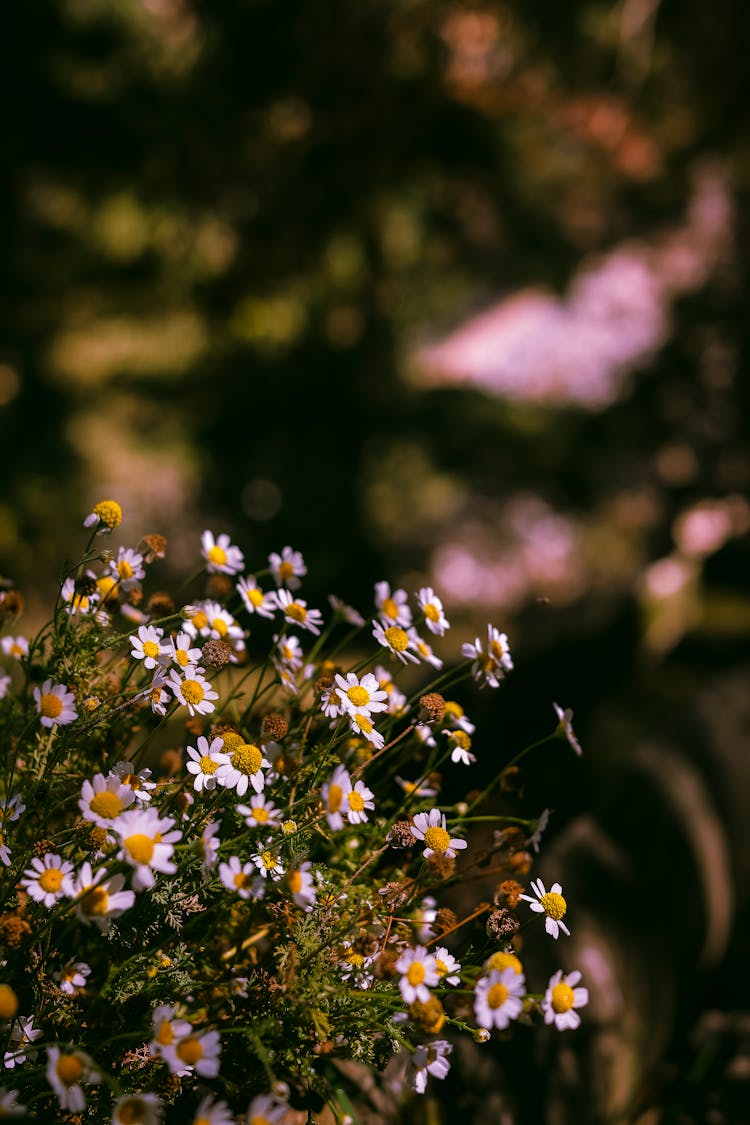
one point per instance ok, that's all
(453, 292)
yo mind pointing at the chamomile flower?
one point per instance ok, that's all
(498, 998)
(147, 844)
(266, 1110)
(296, 612)
(363, 695)
(355, 967)
(288, 654)
(287, 568)
(499, 961)
(99, 897)
(396, 640)
(334, 795)
(359, 799)
(65, 1072)
(241, 878)
(550, 903)
(167, 1028)
(209, 845)
(424, 916)
(448, 968)
(428, 1059)
(432, 608)
(392, 607)
(361, 722)
(254, 600)
(301, 884)
(204, 762)
(430, 827)
(48, 879)
(17, 647)
(72, 976)
(157, 694)
(561, 1000)
(456, 719)
(136, 780)
(197, 1053)
(55, 704)
(423, 731)
(220, 555)
(423, 650)
(104, 798)
(106, 514)
(76, 600)
(347, 612)
(22, 1034)
(565, 727)
(137, 1109)
(243, 767)
(211, 1112)
(193, 690)
(127, 569)
(177, 650)
(260, 813)
(535, 838)
(461, 744)
(331, 703)
(419, 973)
(269, 865)
(147, 646)
(11, 808)
(5, 852)
(415, 788)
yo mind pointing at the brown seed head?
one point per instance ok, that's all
(274, 727)
(43, 846)
(14, 930)
(502, 925)
(216, 652)
(445, 920)
(97, 837)
(401, 835)
(219, 586)
(384, 965)
(508, 893)
(160, 604)
(323, 683)
(152, 547)
(394, 894)
(442, 865)
(520, 862)
(431, 707)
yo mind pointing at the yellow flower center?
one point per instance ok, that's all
(497, 650)
(415, 973)
(497, 995)
(259, 1119)
(95, 901)
(182, 657)
(500, 961)
(106, 804)
(50, 706)
(356, 801)
(231, 740)
(140, 847)
(134, 1110)
(431, 612)
(269, 860)
(389, 609)
(297, 612)
(335, 797)
(192, 691)
(364, 723)
(109, 512)
(295, 882)
(423, 649)
(165, 1034)
(247, 758)
(69, 1069)
(554, 905)
(461, 738)
(51, 879)
(243, 881)
(562, 997)
(200, 620)
(260, 815)
(437, 838)
(124, 569)
(255, 596)
(355, 959)
(190, 1050)
(219, 626)
(440, 967)
(396, 638)
(208, 765)
(286, 570)
(358, 695)
(8, 1002)
(217, 556)
(150, 649)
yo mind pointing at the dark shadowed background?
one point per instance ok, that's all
(434, 291)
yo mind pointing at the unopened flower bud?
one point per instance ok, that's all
(481, 1035)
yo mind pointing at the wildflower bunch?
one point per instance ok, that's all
(224, 858)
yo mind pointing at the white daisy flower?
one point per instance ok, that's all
(147, 844)
(363, 695)
(65, 1072)
(127, 569)
(425, 734)
(72, 976)
(253, 598)
(296, 612)
(396, 640)
(17, 647)
(349, 614)
(424, 916)
(157, 694)
(562, 998)
(22, 1034)
(103, 799)
(415, 788)
(535, 838)
(448, 968)
(204, 762)
(461, 743)
(334, 795)
(355, 967)
(268, 864)
(243, 766)
(48, 879)
(550, 903)
(209, 845)
(498, 998)
(565, 727)
(197, 1053)
(419, 973)
(360, 799)
(76, 602)
(301, 883)
(260, 813)
(5, 852)
(147, 646)
(361, 722)
(241, 878)
(288, 654)
(167, 1028)
(99, 897)
(193, 690)
(491, 666)
(220, 555)
(331, 703)
(428, 1058)
(455, 718)
(432, 608)
(430, 827)
(287, 568)
(55, 704)
(136, 780)
(11, 808)
(423, 650)
(266, 1110)
(211, 1112)
(177, 649)
(393, 608)
(137, 1109)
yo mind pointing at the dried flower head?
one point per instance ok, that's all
(431, 707)
(502, 925)
(216, 653)
(274, 727)
(152, 547)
